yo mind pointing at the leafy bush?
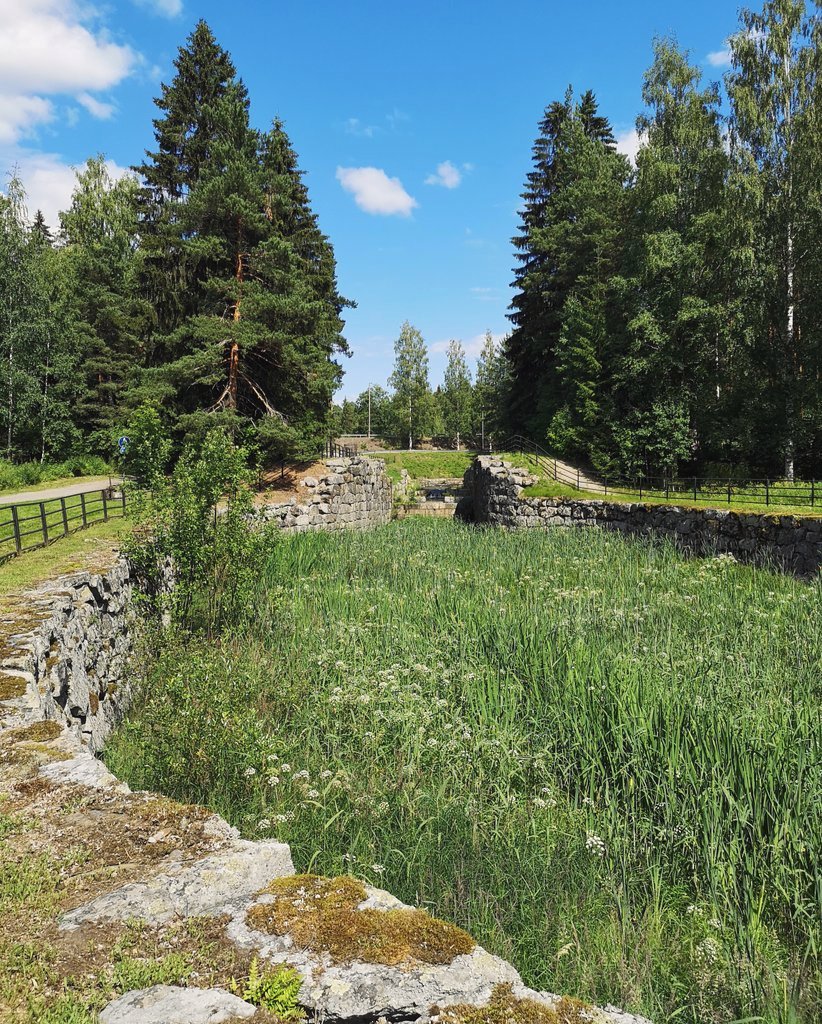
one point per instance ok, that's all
(197, 523)
(29, 474)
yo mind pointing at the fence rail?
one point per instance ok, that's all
(332, 450)
(35, 524)
(712, 491)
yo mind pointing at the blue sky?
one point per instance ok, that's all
(413, 123)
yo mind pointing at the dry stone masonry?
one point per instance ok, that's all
(64, 682)
(354, 493)
(790, 543)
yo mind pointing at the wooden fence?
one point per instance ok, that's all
(34, 524)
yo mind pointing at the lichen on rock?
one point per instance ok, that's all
(323, 915)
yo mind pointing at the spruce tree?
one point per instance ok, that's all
(568, 250)
(252, 345)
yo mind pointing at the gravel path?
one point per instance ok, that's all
(49, 493)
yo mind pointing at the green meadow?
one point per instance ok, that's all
(599, 757)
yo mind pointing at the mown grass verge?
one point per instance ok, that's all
(599, 758)
(86, 549)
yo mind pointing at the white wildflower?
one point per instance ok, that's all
(249, 772)
(595, 845)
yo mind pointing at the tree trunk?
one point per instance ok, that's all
(234, 352)
(11, 399)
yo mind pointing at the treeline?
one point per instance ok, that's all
(204, 288)
(670, 314)
(465, 408)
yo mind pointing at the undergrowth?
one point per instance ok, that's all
(599, 758)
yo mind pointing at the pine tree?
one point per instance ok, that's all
(253, 345)
(409, 381)
(185, 135)
(456, 396)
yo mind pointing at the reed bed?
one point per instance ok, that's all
(599, 757)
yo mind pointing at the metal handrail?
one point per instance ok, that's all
(697, 490)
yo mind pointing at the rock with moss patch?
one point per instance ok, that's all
(169, 1004)
(211, 886)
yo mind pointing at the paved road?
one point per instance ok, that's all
(96, 483)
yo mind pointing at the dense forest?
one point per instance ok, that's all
(671, 313)
(203, 287)
(667, 312)
(667, 315)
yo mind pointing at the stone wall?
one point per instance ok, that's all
(354, 493)
(790, 543)
(65, 646)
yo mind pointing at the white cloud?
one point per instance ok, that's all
(47, 180)
(447, 175)
(46, 49)
(629, 143)
(165, 8)
(472, 347)
(719, 58)
(375, 192)
(20, 114)
(354, 126)
(102, 111)
(485, 294)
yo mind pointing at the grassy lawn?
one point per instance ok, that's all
(85, 549)
(602, 759)
(31, 523)
(426, 465)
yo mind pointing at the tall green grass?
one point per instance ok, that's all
(599, 757)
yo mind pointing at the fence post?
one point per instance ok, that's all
(813, 488)
(606, 486)
(65, 516)
(578, 487)
(729, 490)
(105, 505)
(640, 488)
(44, 522)
(694, 488)
(767, 491)
(83, 508)
(123, 497)
(666, 488)
(15, 522)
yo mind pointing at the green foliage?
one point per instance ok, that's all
(456, 399)
(18, 476)
(149, 448)
(670, 314)
(411, 401)
(274, 990)
(627, 739)
(197, 525)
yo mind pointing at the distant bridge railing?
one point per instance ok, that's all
(699, 490)
(27, 525)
